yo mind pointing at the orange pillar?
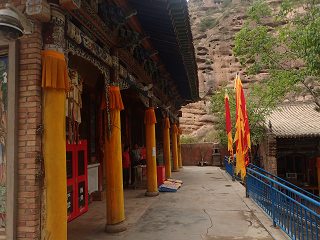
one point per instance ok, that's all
(149, 121)
(113, 167)
(179, 147)
(166, 146)
(55, 81)
(55, 84)
(174, 131)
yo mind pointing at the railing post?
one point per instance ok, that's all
(272, 204)
(246, 183)
(232, 171)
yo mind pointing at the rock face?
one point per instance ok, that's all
(214, 25)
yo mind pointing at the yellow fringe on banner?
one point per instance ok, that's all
(115, 100)
(179, 130)
(165, 123)
(54, 70)
(150, 116)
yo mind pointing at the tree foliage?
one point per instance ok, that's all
(289, 49)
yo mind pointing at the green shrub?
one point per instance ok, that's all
(208, 23)
(226, 3)
(212, 11)
(226, 14)
(224, 30)
(200, 3)
(195, 42)
(211, 136)
(189, 139)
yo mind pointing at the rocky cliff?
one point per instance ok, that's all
(214, 26)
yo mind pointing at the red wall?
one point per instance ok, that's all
(191, 153)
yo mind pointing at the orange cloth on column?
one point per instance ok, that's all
(113, 168)
(150, 116)
(54, 70)
(54, 153)
(174, 129)
(166, 146)
(113, 159)
(165, 123)
(55, 81)
(115, 100)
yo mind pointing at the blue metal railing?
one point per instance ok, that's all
(296, 213)
(229, 166)
(293, 209)
(281, 180)
(231, 169)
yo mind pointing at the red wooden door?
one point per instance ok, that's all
(82, 178)
(71, 186)
(77, 179)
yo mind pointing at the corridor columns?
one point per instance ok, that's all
(179, 147)
(113, 167)
(149, 121)
(174, 131)
(318, 168)
(55, 84)
(166, 146)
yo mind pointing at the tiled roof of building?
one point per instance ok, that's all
(295, 120)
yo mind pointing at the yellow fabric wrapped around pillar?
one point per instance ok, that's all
(174, 131)
(166, 146)
(113, 166)
(54, 153)
(55, 81)
(179, 147)
(149, 121)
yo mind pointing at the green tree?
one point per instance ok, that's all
(290, 52)
(261, 100)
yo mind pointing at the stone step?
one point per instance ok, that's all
(2, 232)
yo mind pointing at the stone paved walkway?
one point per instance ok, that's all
(207, 206)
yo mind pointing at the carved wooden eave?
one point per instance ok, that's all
(105, 37)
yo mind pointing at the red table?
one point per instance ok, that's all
(161, 175)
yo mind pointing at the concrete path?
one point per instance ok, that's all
(208, 206)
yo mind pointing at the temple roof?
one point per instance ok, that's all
(295, 120)
(167, 23)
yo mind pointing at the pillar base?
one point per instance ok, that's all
(152, 194)
(180, 167)
(116, 228)
(175, 170)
